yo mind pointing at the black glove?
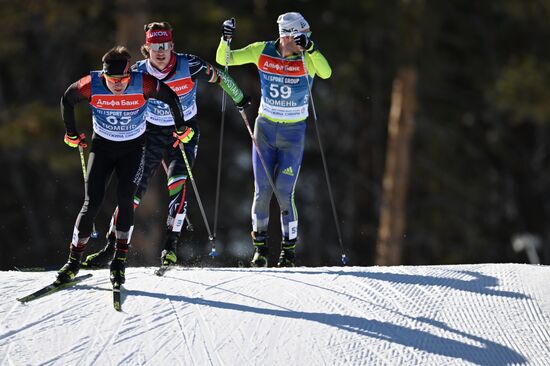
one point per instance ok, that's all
(303, 41)
(228, 28)
(244, 103)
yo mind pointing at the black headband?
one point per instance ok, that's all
(116, 67)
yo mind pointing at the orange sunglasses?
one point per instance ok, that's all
(117, 79)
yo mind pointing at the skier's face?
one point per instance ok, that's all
(159, 54)
(288, 45)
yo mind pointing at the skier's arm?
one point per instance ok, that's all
(316, 63)
(202, 70)
(75, 93)
(249, 54)
(153, 88)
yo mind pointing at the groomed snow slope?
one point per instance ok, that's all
(487, 314)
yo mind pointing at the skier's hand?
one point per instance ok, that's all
(244, 103)
(228, 28)
(302, 40)
(75, 140)
(183, 136)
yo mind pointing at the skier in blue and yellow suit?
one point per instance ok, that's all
(287, 67)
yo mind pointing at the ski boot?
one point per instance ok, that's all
(286, 259)
(71, 268)
(102, 258)
(168, 257)
(118, 269)
(259, 240)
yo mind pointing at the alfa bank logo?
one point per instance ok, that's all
(282, 67)
(279, 67)
(118, 102)
(181, 86)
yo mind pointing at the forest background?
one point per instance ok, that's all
(434, 125)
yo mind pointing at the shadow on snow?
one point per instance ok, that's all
(480, 283)
(488, 351)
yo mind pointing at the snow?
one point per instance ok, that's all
(484, 314)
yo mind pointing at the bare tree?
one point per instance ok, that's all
(401, 123)
(396, 175)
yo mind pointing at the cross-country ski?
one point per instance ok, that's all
(52, 288)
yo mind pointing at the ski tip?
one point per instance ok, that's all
(36, 269)
(162, 270)
(345, 260)
(117, 302)
(83, 277)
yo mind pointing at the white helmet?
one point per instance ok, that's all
(292, 23)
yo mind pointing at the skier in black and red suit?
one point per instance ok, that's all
(118, 99)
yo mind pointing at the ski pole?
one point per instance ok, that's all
(94, 234)
(189, 224)
(220, 148)
(267, 173)
(345, 259)
(213, 252)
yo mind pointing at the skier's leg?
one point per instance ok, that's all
(154, 151)
(100, 167)
(264, 133)
(155, 147)
(177, 175)
(129, 170)
(290, 143)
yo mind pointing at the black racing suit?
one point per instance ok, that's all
(123, 158)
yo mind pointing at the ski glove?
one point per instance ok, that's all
(244, 103)
(303, 41)
(228, 28)
(183, 136)
(75, 140)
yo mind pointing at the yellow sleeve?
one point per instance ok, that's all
(317, 64)
(247, 55)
